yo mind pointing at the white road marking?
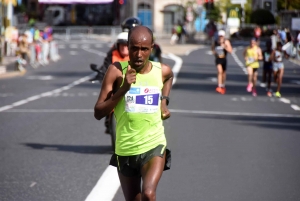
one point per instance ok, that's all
(238, 61)
(50, 111)
(209, 52)
(46, 77)
(203, 112)
(46, 94)
(234, 113)
(32, 184)
(106, 187)
(6, 94)
(189, 51)
(73, 46)
(284, 100)
(85, 46)
(73, 53)
(295, 107)
(95, 52)
(295, 81)
(61, 46)
(176, 68)
(98, 45)
(213, 79)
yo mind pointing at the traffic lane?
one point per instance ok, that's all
(217, 157)
(195, 83)
(55, 152)
(47, 78)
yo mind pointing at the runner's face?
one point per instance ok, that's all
(123, 49)
(221, 38)
(253, 43)
(140, 47)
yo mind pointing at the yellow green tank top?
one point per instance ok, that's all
(138, 114)
(252, 55)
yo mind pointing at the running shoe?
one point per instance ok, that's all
(254, 92)
(277, 94)
(221, 90)
(269, 93)
(249, 87)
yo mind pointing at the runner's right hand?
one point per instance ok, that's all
(130, 77)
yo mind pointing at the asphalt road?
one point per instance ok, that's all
(224, 147)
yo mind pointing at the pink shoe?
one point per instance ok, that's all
(254, 92)
(249, 87)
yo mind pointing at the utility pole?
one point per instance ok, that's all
(134, 8)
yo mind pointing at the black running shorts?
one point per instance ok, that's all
(130, 166)
(223, 62)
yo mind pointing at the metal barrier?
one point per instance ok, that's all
(68, 33)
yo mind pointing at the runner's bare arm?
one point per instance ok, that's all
(260, 57)
(167, 78)
(228, 46)
(213, 48)
(106, 101)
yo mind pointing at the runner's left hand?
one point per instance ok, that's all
(165, 113)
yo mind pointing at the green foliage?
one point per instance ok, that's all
(214, 14)
(262, 17)
(288, 5)
(20, 8)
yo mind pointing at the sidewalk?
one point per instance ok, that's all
(7, 68)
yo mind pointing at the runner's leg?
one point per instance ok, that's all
(131, 187)
(220, 75)
(269, 78)
(254, 79)
(151, 174)
(280, 75)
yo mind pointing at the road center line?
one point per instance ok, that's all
(233, 113)
(203, 112)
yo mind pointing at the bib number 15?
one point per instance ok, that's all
(148, 100)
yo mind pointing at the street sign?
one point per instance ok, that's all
(238, 1)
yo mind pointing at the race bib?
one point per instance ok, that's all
(142, 100)
(251, 60)
(220, 52)
(267, 57)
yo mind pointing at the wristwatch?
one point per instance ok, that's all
(165, 97)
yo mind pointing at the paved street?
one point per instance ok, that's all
(228, 147)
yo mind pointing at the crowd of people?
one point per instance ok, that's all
(30, 46)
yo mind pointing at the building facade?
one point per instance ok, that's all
(159, 15)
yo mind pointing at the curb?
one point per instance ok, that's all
(12, 74)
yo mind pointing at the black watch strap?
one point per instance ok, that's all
(165, 97)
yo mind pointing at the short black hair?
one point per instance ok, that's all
(148, 30)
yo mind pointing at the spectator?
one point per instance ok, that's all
(210, 30)
(257, 33)
(282, 35)
(24, 47)
(274, 39)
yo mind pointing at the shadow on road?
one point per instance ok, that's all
(256, 121)
(82, 149)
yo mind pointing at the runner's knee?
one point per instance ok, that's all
(149, 194)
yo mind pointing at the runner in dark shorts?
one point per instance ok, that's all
(220, 48)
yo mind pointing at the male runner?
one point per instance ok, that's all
(140, 91)
(220, 48)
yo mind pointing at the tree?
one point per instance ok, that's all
(288, 4)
